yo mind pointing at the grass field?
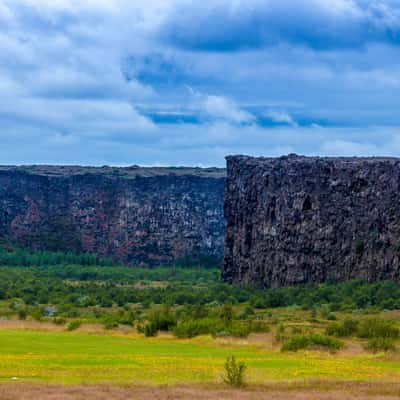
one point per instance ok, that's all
(91, 332)
(88, 358)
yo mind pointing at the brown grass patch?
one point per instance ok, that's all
(31, 325)
(45, 326)
(310, 391)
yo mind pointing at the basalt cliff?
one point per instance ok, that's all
(297, 219)
(137, 215)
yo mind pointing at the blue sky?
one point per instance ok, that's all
(181, 82)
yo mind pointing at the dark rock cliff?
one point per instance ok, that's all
(137, 215)
(296, 219)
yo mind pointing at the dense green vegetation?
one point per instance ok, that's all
(105, 286)
(312, 341)
(184, 300)
(370, 328)
(10, 255)
(165, 311)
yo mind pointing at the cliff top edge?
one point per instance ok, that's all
(123, 172)
(295, 158)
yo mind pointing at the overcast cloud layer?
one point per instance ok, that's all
(182, 82)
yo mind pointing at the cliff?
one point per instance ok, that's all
(296, 219)
(137, 215)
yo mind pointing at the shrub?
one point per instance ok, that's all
(140, 328)
(226, 313)
(127, 318)
(325, 310)
(59, 321)
(310, 341)
(74, 325)
(22, 314)
(37, 313)
(150, 329)
(110, 324)
(163, 320)
(296, 343)
(234, 372)
(192, 328)
(216, 327)
(342, 329)
(247, 313)
(378, 328)
(381, 344)
(236, 330)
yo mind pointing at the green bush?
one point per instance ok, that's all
(163, 320)
(205, 326)
(22, 314)
(59, 321)
(236, 330)
(127, 318)
(110, 324)
(74, 325)
(378, 328)
(325, 311)
(37, 313)
(234, 372)
(346, 328)
(216, 327)
(381, 344)
(311, 341)
(150, 329)
(140, 327)
(192, 328)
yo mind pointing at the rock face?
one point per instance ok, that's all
(137, 215)
(296, 219)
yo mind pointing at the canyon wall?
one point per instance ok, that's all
(295, 219)
(136, 215)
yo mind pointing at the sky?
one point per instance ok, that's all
(180, 82)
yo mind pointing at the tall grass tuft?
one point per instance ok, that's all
(234, 372)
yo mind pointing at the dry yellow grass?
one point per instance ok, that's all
(40, 326)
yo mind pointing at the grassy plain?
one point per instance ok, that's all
(129, 359)
(79, 332)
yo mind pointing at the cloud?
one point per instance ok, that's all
(222, 108)
(185, 82)
(281, 117)
(225, 25)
